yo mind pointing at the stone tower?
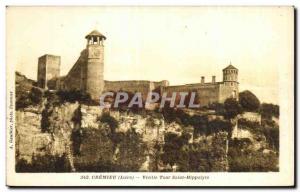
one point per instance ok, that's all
(48, 68)
(94, 64)
(230, 80)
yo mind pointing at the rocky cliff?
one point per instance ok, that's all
(63, 131)
(87, 141)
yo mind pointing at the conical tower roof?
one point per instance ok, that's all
(95, 33)
(230, 67)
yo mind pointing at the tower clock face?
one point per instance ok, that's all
(94, 53)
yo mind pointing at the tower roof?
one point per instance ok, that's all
(230, 67)
(95, 33)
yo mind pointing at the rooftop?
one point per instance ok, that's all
(230, 67)
(95, 33)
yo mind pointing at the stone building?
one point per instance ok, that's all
(48, 69)
(212, 92)
(87, 75)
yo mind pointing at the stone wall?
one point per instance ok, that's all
(251, 116)
(133, 86)
(207, 93)
(87, 72)
(76, 77)
(228, 90)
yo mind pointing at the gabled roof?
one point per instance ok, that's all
(230, 67)
(95, 33)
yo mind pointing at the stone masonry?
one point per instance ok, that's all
(87, 75)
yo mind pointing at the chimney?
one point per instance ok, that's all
(202, 79)
(213, 80)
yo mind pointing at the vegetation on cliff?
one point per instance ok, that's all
(243, 158)
(198, 140)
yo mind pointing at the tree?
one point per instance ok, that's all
(173, 148)
(217, 125)
(268, 110)
(272, 136)
(232, 108)
(242, 158)
(26, 98)
(249, 101)
(132, 151)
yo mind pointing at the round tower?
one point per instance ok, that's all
(230, 82)
(95, 64)
(230, 74)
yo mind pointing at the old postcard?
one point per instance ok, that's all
(150, 96)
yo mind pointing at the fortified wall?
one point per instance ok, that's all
(210, 92)
(75, 79)
(135, 86)
(87, 75)
(206, 93)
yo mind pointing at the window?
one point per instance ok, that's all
(234, 94)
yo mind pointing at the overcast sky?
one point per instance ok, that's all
(179, 44)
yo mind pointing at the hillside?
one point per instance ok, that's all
(56, 133)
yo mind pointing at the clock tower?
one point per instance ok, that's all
(94, 64)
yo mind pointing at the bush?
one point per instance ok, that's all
(132, 151)
(196, 157)
(75, 95)
(253, 127)
(99, 151)
(272, 136)
(45, 122)
(199, 122)
(267, 110)
(232, 108)
(169, 113)
(173, 148)
(242, 159)
(217, 125)
(111, 121)
(97, 166)
(253, 161)
(44, 163)
(271, 133)
(218, 107)
(25, 98)
(76, 138)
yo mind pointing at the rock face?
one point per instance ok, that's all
(29, 138)
(32, 141)
(74, 130)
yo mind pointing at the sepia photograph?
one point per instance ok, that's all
(150, 96)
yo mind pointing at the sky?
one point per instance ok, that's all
(178, 44)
